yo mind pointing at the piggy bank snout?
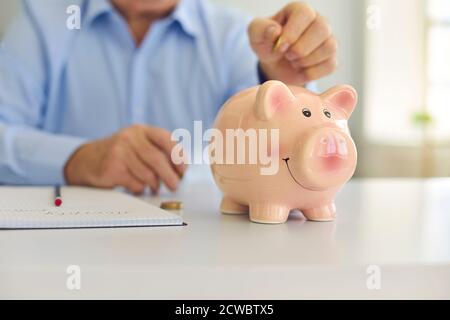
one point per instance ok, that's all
(327, 158)
(331, 147)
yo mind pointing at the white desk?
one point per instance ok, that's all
(403, 226)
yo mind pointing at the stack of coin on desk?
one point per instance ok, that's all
(175, 206)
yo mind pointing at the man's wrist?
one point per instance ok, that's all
(72, 174)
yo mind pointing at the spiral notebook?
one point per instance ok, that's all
(33, 208)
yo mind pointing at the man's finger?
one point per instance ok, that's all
(157, 161)
(163, 168)
(160, 164)
(296, 18)
(316, 35)
(142, 172)
(132, 184)
(162, 139)
(326, 51)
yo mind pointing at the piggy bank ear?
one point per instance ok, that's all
(271, 97)
(341, 97)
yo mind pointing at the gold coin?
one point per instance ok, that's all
(277, 44)
(171, 205)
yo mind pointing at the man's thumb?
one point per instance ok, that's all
(264, 31)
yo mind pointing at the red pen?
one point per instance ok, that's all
(58, 199)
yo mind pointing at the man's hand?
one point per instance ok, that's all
(295, 46)
(134, 158)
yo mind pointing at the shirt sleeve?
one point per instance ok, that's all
(28, 154)
(241, 61)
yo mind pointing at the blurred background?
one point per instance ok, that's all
(396, 53)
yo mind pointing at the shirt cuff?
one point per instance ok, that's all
(261, 76)
(40, 157)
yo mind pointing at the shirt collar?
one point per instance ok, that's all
(96, 8)
(186, 14)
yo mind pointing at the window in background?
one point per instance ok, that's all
(407, 73)
(438, 68)
(394, 72)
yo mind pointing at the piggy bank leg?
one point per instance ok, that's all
(324, 213)
(229, 206)
(268, 213)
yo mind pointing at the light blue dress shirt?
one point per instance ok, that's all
(60, 88)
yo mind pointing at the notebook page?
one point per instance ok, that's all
(32, 207)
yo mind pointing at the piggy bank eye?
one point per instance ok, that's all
(327, 113)
(306, 112)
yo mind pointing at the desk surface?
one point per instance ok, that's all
(401, 226)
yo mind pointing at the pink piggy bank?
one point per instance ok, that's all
(311, 152)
